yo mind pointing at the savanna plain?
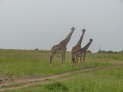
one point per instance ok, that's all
(101, 72)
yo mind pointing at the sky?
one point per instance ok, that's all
(30, 24)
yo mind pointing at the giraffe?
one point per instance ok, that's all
(61, 47)
(81, 53)
(78, 45)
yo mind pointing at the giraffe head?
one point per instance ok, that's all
(83, 30)
(73, 28)
(91, 39)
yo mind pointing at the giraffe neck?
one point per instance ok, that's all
(87, 46)
(67, 39)
(81, 38)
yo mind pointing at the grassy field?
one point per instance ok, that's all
(22, 63)
(101, 81)
(26, 63)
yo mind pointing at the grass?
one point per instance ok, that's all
(57, 86)
(28, 62)
(32, 63)
(99, 81)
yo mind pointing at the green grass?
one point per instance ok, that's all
(22, 63)
(27, 63)
(99, 81)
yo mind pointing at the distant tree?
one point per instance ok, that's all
(36, 49)
(109, 51)
(121, 51)
(89, 51)
(104, 51)
(101, 51)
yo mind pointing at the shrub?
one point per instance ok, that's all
(56, 87)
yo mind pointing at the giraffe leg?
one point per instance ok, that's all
(84, 55)
(73, 58)
(51, 57)
(77, 59)
(65, 54)
(63, 57)
(81, 59)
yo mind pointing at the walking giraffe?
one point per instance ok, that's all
(81, 53)
(61, 47)
(78, 45)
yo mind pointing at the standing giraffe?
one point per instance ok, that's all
(81, 53)
(61, 47)
(78, 45)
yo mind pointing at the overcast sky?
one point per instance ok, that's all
(29, 24)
